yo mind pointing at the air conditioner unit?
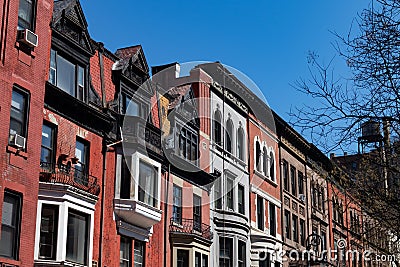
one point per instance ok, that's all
(18, 141)
(302, 197)
(28, 37)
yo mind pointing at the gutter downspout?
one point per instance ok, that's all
(166, 214)
(103, 183)
(101, 65)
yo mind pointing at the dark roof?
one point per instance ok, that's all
(127, 54)
(177, 93)
(256, 106)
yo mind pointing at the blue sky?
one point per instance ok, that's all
(266, 40)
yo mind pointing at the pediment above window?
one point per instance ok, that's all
(69, 21)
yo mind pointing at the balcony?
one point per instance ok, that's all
(137, 213)
(189, 229)
(138, 132)
(67, 175)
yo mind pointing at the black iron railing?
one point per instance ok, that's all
(65, 174)
(189, 226)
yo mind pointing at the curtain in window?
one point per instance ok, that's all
(77, 238)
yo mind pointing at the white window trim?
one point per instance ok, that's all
(63, 209)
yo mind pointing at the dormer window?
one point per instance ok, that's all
(188, 148)
(66, 75)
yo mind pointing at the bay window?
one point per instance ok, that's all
(147, 184)
(77, 235)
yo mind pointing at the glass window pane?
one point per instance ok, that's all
(138, 254)
(125, 252)
(66, 75)
(132, 108)
(48, 232)
(147, 183)
(25, 13)
(10, 226)
(77, 237)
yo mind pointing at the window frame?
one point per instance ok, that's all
(241, 253)
(300, 178)
(226, 248)
(177, 204)
(139, 246)
(86, 236)
(295, 228)
(260, 211)
(287, 224)
(77, 65)
(142, 192)
(82, 167)
(126, 241)
(25, 114)
(272, 219)
(229, 136)
(293, 181)
(217, 128)
(229, 195)
(32, 22)
(197, 214)
(53, 145)
(188, 144)
(56, 210)
(16, 228)
(241, 144)
(285, 174)
(241, 198)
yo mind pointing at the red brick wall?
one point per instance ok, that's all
(28, 70)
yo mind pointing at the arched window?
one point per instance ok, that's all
(217, 127)
(265, 161)
(271, 166)
(229, 135)
(240, 142)
(258, 156)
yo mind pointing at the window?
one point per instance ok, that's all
(264, 259)
(196, 212)
(218, 194)
(260, 213)
(47, 153)
(18, 114)
(182, 258)
(293, 180)
(324, 240)
(285, 172)
(265, 163)
(302, 232)
(258, 156)
(295, 228)
(240, 144)
(82, 166)
(204, 261)
(48, 232)
(177, 204)
(131, 106)
(314, 196)
(125, 188)
(197, 259)
(241, 254)
(125, 251)
(26, 14)
(229, 136)
(147, 184)
(272, 219)
(241, 202)
(287, 224)
(68, 76)
(225, 252)
(272, 166)
(10, 225)
(138, 254)
(229, 193)
(217, 128)
(188, 144)
(77, 235)
(300, 179)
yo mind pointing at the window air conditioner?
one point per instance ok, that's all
(302, 197)
(28, 37)
(18, 141)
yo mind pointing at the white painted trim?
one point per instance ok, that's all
(265, 195)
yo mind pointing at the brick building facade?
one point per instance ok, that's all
(103, 167)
